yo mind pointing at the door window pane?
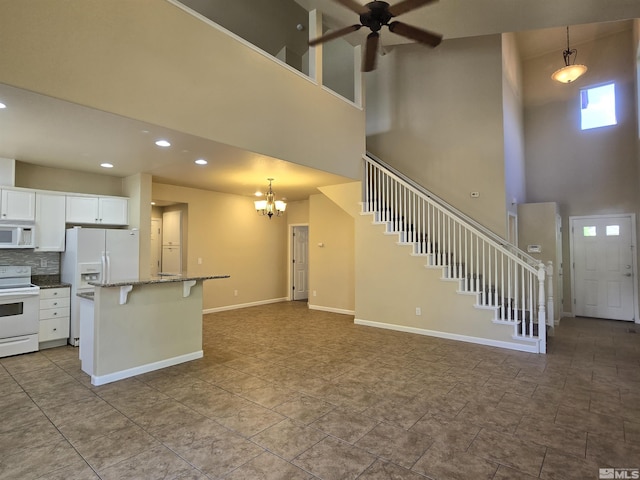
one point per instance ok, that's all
(613, 230)
(589, 231)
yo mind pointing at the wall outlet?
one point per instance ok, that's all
(235, 293)
(199, 260)
(314, 293)
(43, 262)
(418, 311)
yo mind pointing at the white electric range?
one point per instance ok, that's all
(19, 311)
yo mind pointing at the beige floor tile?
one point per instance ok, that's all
(346, 425)
(288, 439)
(442, 462)
(275, 365)
(158, 462)
(221, 455)
(560, 437)
(395, 444)
(268, 467)
(508, 450)
(332, 459)
(558, 466)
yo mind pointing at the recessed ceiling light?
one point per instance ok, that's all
(106, 165)
(201, 161)
(163, 143)
(153, 203)
(2, 105)
(258, 194)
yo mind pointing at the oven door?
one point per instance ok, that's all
(19, 311)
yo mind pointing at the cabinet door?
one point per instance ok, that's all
(18, 205)
(82, 209)
(113, 211)
(171, 260)
(50, 222)
(171, 227)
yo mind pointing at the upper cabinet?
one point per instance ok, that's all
(18, 205)
(86, 209)
(50, 226)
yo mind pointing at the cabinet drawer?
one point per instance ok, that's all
(54, 313)
(54, 292)
(53, 329)
(54, 303)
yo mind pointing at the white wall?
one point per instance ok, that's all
(446, 129)
(586, 172)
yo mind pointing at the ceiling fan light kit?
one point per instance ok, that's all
(571, 71)
(375, 15)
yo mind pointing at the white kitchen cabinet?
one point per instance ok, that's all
(50, 222)
(171, 259)
(54, 317)
(88, 209)
(18, 205)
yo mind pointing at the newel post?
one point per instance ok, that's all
(542, 317)
(550, 304)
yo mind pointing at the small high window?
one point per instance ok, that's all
(598, 106)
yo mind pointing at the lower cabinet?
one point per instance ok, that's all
(54, 317)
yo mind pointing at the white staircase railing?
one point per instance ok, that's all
(510, 283)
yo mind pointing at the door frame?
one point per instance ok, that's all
(290, 258)
(634, 257)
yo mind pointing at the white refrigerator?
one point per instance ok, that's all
(96, 254)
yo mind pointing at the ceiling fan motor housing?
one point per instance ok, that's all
(377, 16)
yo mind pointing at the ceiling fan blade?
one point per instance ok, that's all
(371, 52)
(417, 34)
(333, 35)
(407, 5)
(353, 6)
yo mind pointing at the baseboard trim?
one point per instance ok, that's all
(244, 305)
(98, 380)
(449, 336)
(331, 309)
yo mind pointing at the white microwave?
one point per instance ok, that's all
(17, 236)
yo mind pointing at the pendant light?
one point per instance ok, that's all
(570, 72)
(270, 206)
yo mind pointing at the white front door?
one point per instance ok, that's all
(602, 250)
(300, 261)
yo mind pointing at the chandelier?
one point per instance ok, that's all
(270, 206)
(570, 72)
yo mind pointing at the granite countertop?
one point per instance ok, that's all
(157, 279)
(48, 281)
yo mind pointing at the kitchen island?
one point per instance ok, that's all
(136, 326)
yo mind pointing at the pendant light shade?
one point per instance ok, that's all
(571, 71)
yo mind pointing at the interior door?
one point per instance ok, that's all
(300, 262)
(603, 267)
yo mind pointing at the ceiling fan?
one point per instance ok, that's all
(375, 15)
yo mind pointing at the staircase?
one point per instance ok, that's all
(502, 278)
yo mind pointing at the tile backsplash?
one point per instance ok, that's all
(41, 263)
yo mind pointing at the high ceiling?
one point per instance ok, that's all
(45, 131)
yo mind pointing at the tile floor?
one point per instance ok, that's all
(288, 393)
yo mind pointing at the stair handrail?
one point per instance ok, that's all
(536, 268)
(481, 228)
